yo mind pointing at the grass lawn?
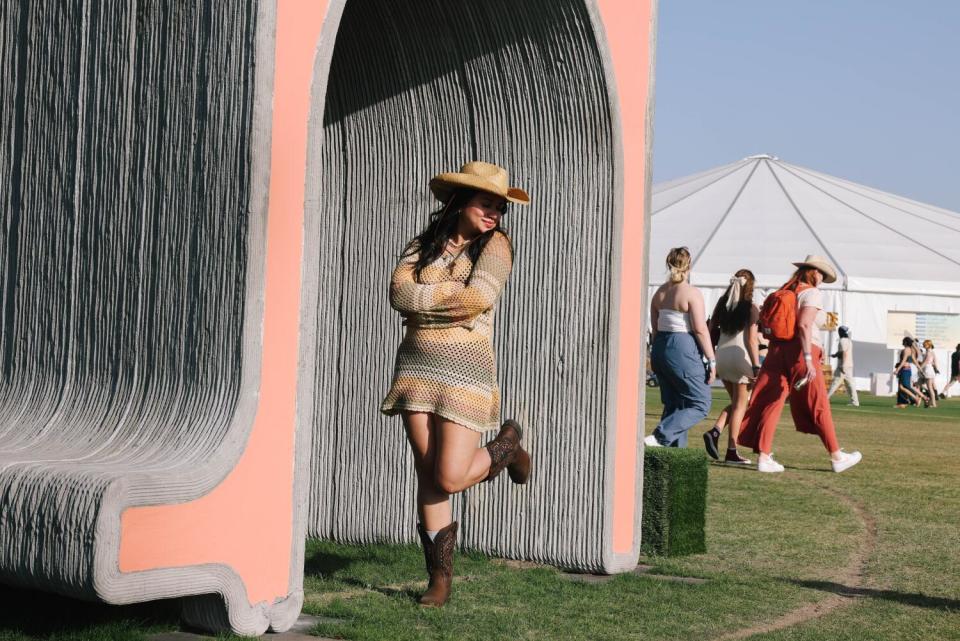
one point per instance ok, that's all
(875, 552)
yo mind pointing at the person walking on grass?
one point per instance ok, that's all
(903, 372)
(790, 318)
(734, 321)
(929, 371)
(954, 371)
(680, 342)
(445, 286)
(844, 371)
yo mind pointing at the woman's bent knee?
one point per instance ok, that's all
(449, 484)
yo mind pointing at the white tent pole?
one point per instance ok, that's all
(806, 222)
(693, 265)
(737, 166)
(869, 217)
(843, 184)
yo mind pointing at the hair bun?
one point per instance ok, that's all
(678, 261)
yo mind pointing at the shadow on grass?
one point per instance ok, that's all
(906, 598)
(804, 468)
(407, 593)
(327, 564)
(332, 563)
(40, 614)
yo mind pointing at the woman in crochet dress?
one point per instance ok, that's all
(445, 286)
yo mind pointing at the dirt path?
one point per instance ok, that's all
(851, 575)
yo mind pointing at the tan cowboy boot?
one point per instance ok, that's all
(506, 452)
(438, 554)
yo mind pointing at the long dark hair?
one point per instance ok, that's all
(432, 241)
(737, 319)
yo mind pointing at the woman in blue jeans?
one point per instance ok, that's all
(904, 375)
(680, 342)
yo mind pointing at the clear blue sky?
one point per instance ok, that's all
(863, 90)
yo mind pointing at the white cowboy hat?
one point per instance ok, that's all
(822, 265)
(479, 175)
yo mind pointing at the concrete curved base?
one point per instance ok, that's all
(141, 455)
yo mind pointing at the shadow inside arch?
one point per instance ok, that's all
(906, 598)
(413, 43)
(42, 614)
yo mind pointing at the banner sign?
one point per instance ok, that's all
(942, 329)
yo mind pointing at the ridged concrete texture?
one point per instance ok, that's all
(416, 88)
(133, 173)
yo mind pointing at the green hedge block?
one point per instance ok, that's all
(674, 501)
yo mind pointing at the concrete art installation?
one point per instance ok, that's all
(196, 241)
(557, 91)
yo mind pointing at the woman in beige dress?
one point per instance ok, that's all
(734, 319)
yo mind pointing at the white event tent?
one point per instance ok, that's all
(897, 260)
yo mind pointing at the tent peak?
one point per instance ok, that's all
(761, 157)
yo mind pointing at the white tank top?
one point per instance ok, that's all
(670, 320)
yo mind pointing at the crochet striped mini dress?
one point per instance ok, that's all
(445, 364)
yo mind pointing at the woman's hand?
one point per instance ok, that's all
(711, 374)
(810, 369)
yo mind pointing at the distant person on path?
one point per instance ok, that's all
(903, 372)
(680, 342)
(790, 317)
(445, 286)
(929, 371)
(954, 371)
(734, 321)
(844, 371)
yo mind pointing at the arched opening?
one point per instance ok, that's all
(416, 88)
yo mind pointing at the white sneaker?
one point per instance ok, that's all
(651, 441)
(767, 464)
(846, 461)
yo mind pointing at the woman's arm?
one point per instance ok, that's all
(714, 325)
(654, 313)
(700, 330)
(407, 296)
(805, 325)
(753, 339)
(482, 291)
(902, 363)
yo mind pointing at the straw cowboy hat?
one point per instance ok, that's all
(820, 264)
(482, 176)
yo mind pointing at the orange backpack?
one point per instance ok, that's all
(778, 316)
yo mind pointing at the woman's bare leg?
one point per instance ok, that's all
(724, 418)
(461, 462)
(909, 392)
(950, 384)
(932, 388)
(433, 504)
(740, 394)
